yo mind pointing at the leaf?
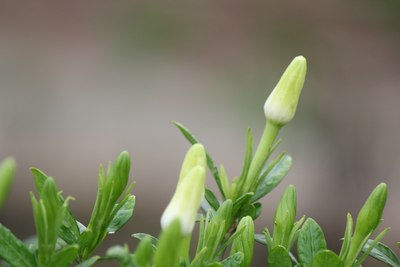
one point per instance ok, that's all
(260, 238)
(348, 232)
(144, 252)
(237, 205)
(64, 256)
(167, 253)
(210, 162)
(234, 260)
(14, 251)
(247, 210)
(279, 257)
(7, 172)
(311, 241)
(327, 258)
(123, 215)
(211, 199)
(382, 253)
(273, 177)
(141, 236)
(89, 262)
(248, 155)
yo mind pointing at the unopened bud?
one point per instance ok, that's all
(281, 104)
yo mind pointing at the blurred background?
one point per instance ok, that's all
(82, 81)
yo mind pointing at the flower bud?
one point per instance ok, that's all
(281, 104)
(370, 214)
(285, 215)
(186, 201)
(245, 241)
(196, 156)
(119, 174)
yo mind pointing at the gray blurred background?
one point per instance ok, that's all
(82, 81)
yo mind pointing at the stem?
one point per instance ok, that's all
(260, 157)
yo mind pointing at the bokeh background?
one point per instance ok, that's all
(81, 81)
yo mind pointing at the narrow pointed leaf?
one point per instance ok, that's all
(141, 236)
(210, 162)
(14, 251)
(211, 199)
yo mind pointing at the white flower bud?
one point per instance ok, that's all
(281, 104)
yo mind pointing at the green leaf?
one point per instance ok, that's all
(7, 172)
(348, 232)
(234, 260)
(311, 241)
(211, 199)
(122, 216)
(168, 246)
(241, 201)
(382, 253)
(64, 256)
(247, 210)
(248, 155)
(69, 230)
(260, 238)
(279, 257)
(271, 179)
(144, 252)
(141, 236)
(210, 162)
(89, 262)
(121, 253)
(327, 258)
(14, 251)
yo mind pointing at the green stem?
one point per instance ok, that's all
(260, 157)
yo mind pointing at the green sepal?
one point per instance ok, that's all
(311, 241)
(272, 176)
(279, 257)
(326, 258)
(14, 251)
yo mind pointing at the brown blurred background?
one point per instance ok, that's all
(82, 81)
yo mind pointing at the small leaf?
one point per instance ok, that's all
(167, 253)
(123, 215)
(382, 253)
(144, 252)
(89, 262)
(273, 177)
(64, 256)
(327, 258)
(211, 199)
(247, 210)
(248, 155)
(241, 201)
(260, 238)
(311, 241)
(14, 251)
(279, 257)
(141, 236)
(210, 163)
(348, 232)
(234, 260)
